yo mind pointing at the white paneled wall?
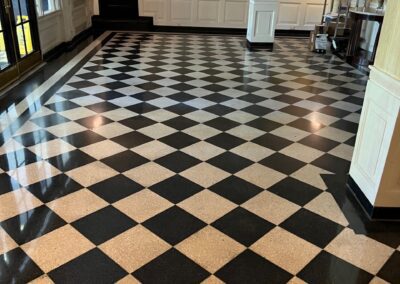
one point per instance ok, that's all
(300, 14)
(62, 26)
(196, 13)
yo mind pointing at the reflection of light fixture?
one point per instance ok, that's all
(314, 121)
(97, 121)
(315, 124)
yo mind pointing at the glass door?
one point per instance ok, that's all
(19, 43)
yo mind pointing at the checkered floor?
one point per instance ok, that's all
(187, 158)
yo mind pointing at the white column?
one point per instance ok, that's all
(262, 22)
(375, 165)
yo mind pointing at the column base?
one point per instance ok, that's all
(373, 212)
(260, 45)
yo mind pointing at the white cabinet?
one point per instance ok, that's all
(196, 13)
(300, 14)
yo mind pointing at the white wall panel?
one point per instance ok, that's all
(196, 13)
(289, 15)
(208, 11)
(235, 12)
(300, 14)
(181, 10)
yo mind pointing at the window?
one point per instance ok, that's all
(45, 7)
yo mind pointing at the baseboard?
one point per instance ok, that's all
(200, 30)
(374, 213)
(66, 46)
(260, 45)
(292, 33)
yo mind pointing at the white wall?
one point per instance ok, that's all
(197, 13)
(62, 26)
(300, 14)
(293, 14)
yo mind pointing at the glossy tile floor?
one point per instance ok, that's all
(186, 158)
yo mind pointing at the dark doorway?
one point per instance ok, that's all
(119, 9)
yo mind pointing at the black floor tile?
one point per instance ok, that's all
(390, 271)
(32, 224)
(19, 158)
(102, 107)
(177, 161)
(295, 110)
(264, 124)
(222, 123)
(327, 268)
(332, 111)
(115, 188)
(62, 106)
(8, 184)
(71, 160)
(176, 188)
(306, 125)
(319, 143)
(94, 121)
(225, 141)
(219, 109)
(82, 139)
(179, 140)
(272, 142)
(312, 227)
(53, 188)
(103, 225)
(332, 163)
(257, 110)
(142, 108)
(35, 137)
(91, 267)
(294, 190)
(171, 267)
(174, 225)
(243, 226)
(132, 139)
(235, 189)
(282, 163)
(230, 162)
(346, 126)
(249, 267)
(137, 122)
(17, 267)
(124, 161)
(49, 120)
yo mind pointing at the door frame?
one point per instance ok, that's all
(18, 65)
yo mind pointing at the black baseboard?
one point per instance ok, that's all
(295, 33)
(66, 46)
(101, 23)
(260, 45)
(375, 213)
(199, 30)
